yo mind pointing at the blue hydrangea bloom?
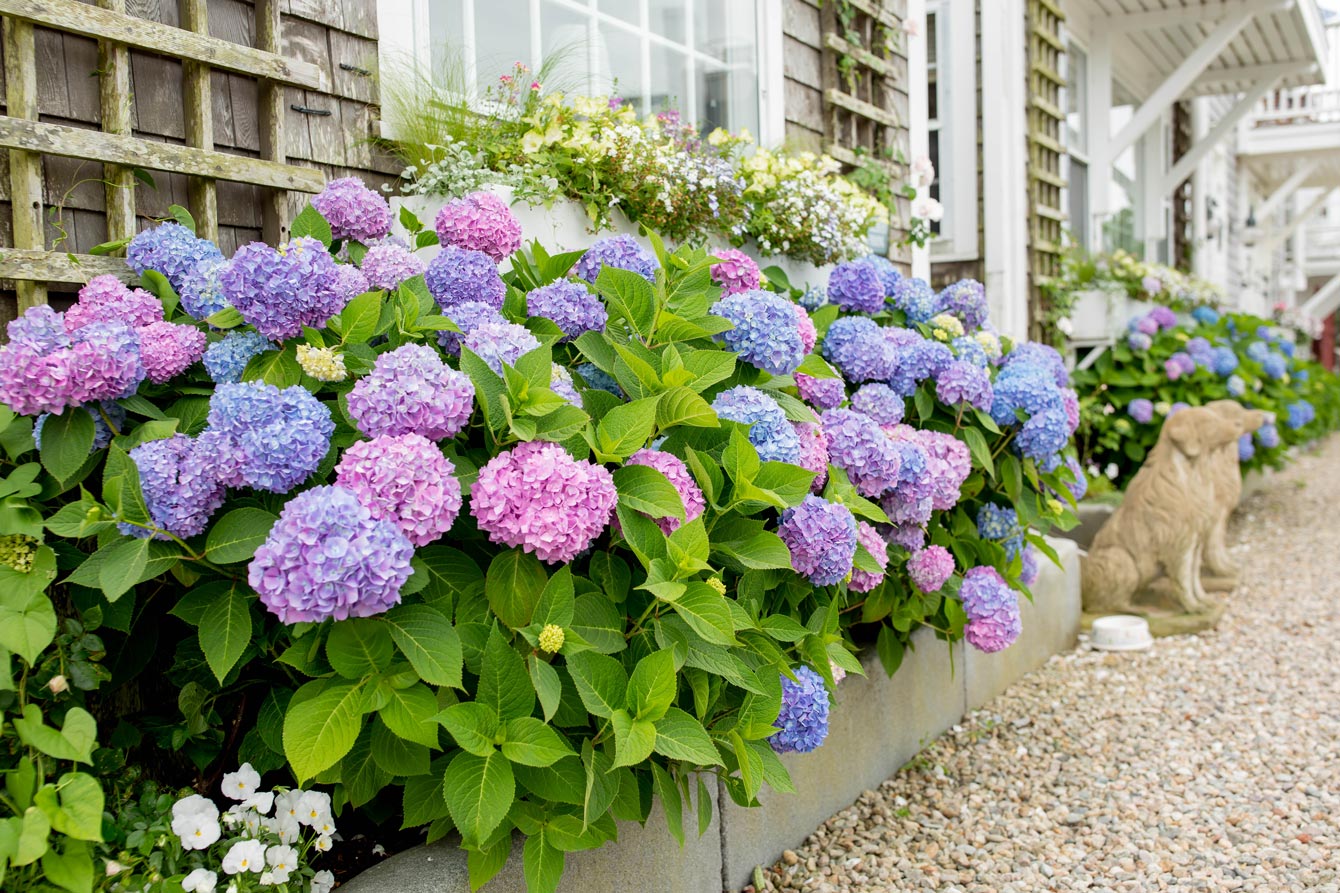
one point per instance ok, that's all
(888, 274)
(856, 286)
(458, 275)
(1043, 356)
(917, 299)
(1246, 448)
(858, 446)
(621, 252)
(845, 330)
(1258, 351)
(1301, 413)
(183, 480)
(879, 401)
(1043, 436)
(766, 334)
(570, 305)
(970, 350)
(1275, 365)
(1000, 524)
(802, 724)
(1224, 361)
(1205, 315)
(1200, 350)
(1236, 386)
(1080, 485)
(1287, 347)
(961, 383)
(813, 298)
(1141, 410)
(595, 377)
(821, 537)
(1024, 387)
(102, 435)
(201, 291)
(966, 300)
(1139, 341)
(170, 249)
(226, 360)
(1268, 436)
(860, 352)
(769, 430)
(282, 435)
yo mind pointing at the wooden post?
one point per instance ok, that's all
(199, 111)
(25, 168)
(114, 98)
(274, 202)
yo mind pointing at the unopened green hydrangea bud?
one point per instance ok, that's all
(551, 638)
(1054, 506)
(17, 550)
(716, 584)
(322, 363)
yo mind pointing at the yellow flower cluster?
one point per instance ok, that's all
(551, 638)
(322, 363)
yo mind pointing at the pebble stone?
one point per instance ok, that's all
(1209, 763)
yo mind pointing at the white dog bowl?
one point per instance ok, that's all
(1121, 632)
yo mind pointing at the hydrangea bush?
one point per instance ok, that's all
(1166, 362)
(474, 568)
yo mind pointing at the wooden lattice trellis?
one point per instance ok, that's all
(1046, 118)
(28, 263)
(1183, 235)
(865, 86)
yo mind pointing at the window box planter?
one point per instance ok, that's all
(877, 725)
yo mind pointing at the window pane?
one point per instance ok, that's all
(932, 45)
(502, 38)
(1078, 210)
(668, 18)
(617, 62)
(669, 78)
(933, 150)
(567, 47)
(722, 27)
(628, 10)
(1077, 101)
(446, 35)
(726, 40)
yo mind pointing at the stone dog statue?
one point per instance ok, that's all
(1174, 518)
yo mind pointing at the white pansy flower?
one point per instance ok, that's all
(201, 880)
(282, 858)
(195, 821)
(322, 882)
(313, 808)
(323, 844)
(245, 855)
(241, 784)
(261, 801)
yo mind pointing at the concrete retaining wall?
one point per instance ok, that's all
(877, 726)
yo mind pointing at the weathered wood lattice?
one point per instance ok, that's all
(28, 139)
(1183, 207)
(1046, 118)
(865, 98)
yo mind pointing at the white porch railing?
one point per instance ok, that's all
(1304, 105)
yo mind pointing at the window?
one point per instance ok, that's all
(951, 103)
(1077, 145)
(702, 57)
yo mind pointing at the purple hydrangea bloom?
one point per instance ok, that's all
(280, 291)
(917, 299)
(538, 497)
(1141, 410)
(480, 221)
(350, 282)
(1139, 341)
(678, 474)
(822, 393)
(169, 349)
(201, 290)
(948, 463)
(813, 298)
(736, 272)
(1029, 570)
(822, 538)
(992, 608)
(328, 557)
(1145, 325)
(282, 436)
(966, 300)
(964, 383)
(459, 275)
(595, 377)
(909, 537)
(170, 249)
(1275, 366)
(406, 480)
(411, 391)
(889, 277)
(1178, 407)
(813, 452)
(765, 333)
(467, 317)
(620, 252)
(769, 430)
(861, 353)
(809, 335)
(570, 306)
(45, 371)
(1246, 448)
(857, 445)
(41, 328)
(1224, 361)
(1000, 524)
(107, 299)
(1301, 414)
(846, 330)
(1070, 404)
(1080, 485)
(930, 568)
(1179, 364)
(879, 401)
(183, 483)
(868, 536)
(802, 724)
(1201, 351)
(353, 210)
(856, 286)
(499, 343)
(561, 383)
(388, 264)
(1043, 436)
(1163, 317)
(226, 360)
(1268, 436)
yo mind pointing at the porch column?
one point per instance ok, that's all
(1005, 163)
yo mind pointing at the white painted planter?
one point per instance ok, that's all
(564, 226)
(879, 724)
(1100, 316)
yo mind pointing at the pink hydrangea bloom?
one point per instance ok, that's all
(108, 299)
(930, 568)
(677, 472)
(353, 210)
(538, 497)
(813, 452)
(737, 272)
(479, 221)
(808, 333)
(404, 479)
(868, 536)
(169, 349)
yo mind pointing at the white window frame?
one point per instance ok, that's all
(405, 34)
(1079, 153)
(956, 104)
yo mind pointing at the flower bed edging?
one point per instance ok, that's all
(879, 724)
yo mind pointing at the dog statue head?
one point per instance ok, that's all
(1247, 420)
(1198, 430)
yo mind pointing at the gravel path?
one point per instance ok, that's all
(1208, 763)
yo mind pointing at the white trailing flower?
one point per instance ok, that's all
(923, 171)
(928, 208)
